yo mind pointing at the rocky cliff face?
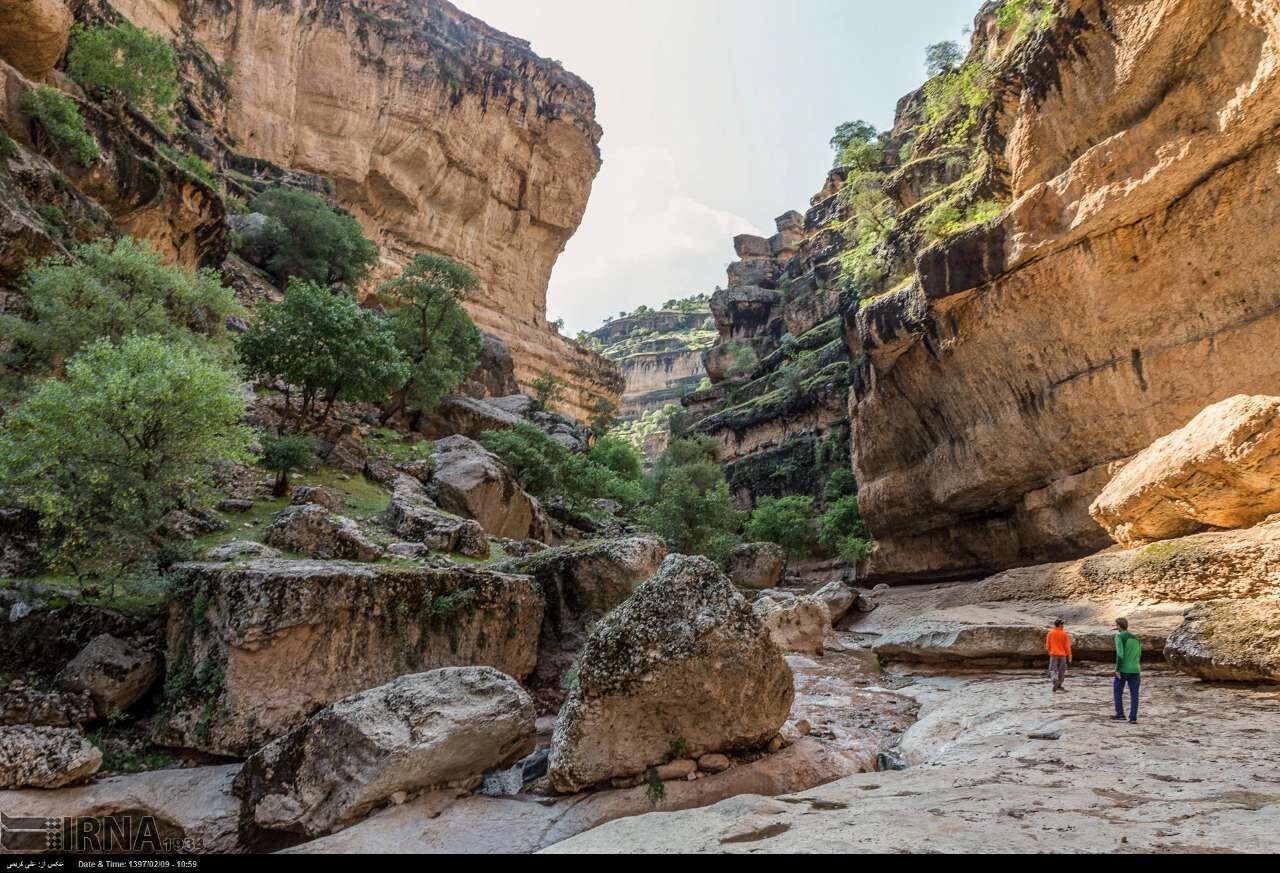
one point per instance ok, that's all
(439, 133)
(660, 353)
(1128, 284)
(779, 366)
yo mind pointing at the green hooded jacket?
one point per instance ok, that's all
(1128, 653)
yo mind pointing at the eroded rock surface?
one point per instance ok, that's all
(796, 624)
(417, 731)
(1229, 640)
(45, 757)
(757, 565)
(471, 481)
(311, 529)
(255, 648)
(1220, 470)
(977, 783)
(194, 805)
(116, 674)
(683, 663)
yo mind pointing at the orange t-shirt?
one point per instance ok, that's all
(1059, 643)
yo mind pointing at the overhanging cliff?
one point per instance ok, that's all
(440, 133)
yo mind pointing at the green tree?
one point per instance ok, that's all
(547, 468)
(942, 57)
(841, 530)
(283, 454)
(687, 500)
(112, 289)
(59, 117)
(548, 391)
(133, 66)
(604, 412)
(850, 132)
(616, 454)
(325, 347)
(132, 432)
(433, 330)
(787, 521)
(305, 238)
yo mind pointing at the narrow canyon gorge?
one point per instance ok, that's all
(317, 536)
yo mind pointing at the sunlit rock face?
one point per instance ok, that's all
(1130, 283)
(440, 133)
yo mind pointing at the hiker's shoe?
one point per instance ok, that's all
(1117, 718)
(1133, 721)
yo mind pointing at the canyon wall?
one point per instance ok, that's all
(440, 134)
(660, 353)
(779, 367)
(1131, 281)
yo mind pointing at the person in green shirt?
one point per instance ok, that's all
(1128, 671)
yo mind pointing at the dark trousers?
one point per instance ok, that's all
(1133, 680)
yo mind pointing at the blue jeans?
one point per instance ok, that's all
(1133, 680)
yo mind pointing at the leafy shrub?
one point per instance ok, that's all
(548, 391)
(787, 521)
(108, 289)
(306, 238)
(546, 467)
(1024, 16)
(603, 414)
(192, 164)
(324, 346)
(131, 433)
(616, 454)
(433, 330)
(840, 484)
(283, 454)
(59, 117)
(133, 66)
(841, 530)
(687, 500)
(955, 97)
(8, 148)
(947, 219)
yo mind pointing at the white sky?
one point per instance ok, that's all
(716, 117)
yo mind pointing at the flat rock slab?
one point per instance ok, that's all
(255, 648)
(194, 805)
(1204, 779)
(443, 822)
(1229, 641)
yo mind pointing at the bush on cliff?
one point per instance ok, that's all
(787, 521)
(324, 346)
(107, 289)
(687, 500)
(306, 238)
(434, 332)
(131, 65)
(132, 432)
(59, 117)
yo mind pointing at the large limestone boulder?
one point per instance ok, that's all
(240, 550)
(471, 481)
(1221, 470)
(115, 673)
(838, 597)
(311, 529)
(468, 416)
(413, 517)
(683, 663)
(580, 583)
(194, 805)
(757, 565)
(45, 757)
(417, 731)
(255, 648)
(1228, 640)
(796, 624)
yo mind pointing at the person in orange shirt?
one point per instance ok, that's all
(1059, 646)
